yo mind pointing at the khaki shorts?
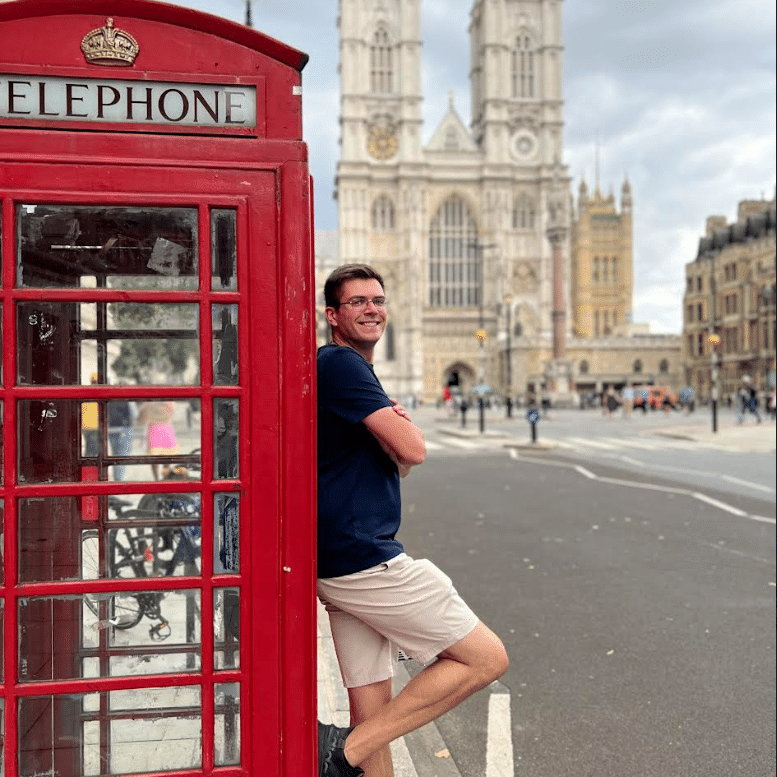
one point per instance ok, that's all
(401, 604)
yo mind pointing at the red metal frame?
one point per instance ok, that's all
(267, 182)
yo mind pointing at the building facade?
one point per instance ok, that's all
(729, 302)
(487, 261)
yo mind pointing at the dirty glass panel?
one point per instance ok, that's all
(226, 621)
(107, 247)
(2, 545)
(119, 634)
(131, 536)
(71, 441)
(225, 340)
(226, 420)
(141, 731)
(2, 468)
(223, 248)
(227, 730)
(125, 343)
(226, 526)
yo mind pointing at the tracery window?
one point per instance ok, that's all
(523, 67)
(383, 218)
(454, 256)
(524, 212)
(382, 63)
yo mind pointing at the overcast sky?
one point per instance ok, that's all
(679, 93)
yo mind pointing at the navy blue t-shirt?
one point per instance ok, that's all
(359, 506)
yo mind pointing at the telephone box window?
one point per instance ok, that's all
(107, 247)
(165, 442)
(226, 621)
(226, 419)
(151, 730)
(225, 340)
(223, 237)
(227, 729)
(144, 344)
(226, 524)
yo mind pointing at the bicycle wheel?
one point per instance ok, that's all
(178, 546)
(131, 552)
(120, 610)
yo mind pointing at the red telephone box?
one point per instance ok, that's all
(157, 481)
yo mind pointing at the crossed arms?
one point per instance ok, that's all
(401, 439)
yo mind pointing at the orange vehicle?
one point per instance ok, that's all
(656, 396)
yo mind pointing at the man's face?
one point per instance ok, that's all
(358, 327)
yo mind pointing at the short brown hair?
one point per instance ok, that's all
(348, 272)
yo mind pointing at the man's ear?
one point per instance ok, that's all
(331, 317)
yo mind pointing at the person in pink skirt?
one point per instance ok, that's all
(160, 435)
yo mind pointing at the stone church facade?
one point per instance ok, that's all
(459, 225)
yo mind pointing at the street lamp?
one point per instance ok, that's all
(508, 300)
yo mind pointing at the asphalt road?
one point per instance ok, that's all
(639, 621)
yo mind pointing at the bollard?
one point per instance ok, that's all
(533, 416)
(482, 411)
(463, 408)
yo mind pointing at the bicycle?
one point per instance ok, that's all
(165, 539)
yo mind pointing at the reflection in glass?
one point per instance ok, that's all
(227, 731)
(144, 344)
(223, 238)
(226, 621)
(107, 247)
(226, 420)
(71, 441)
(119, 634)
(226, 525)
(132, 536)
(147, 730)
(225, 368)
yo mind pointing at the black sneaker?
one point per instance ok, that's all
(331, 753)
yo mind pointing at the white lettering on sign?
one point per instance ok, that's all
(127, 102)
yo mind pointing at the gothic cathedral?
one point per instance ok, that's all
(458, 226)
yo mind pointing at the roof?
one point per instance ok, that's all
(162, 12)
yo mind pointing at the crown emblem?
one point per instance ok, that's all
(109, 46)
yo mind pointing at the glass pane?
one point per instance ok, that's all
(144, 344)
(2, 543)
(226, 419)
(227, 733)
(223, 248)
(132, 536)
(2, 467)
(226, 621)
(107, 247)
(118, 633)
(71, 441)
(225, 370)
(111, 732)
(226, 510)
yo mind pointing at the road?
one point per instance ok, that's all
(637, 604)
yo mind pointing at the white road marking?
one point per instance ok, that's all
(499, 746)
(720, 505)
(648, 486)
(748, 483)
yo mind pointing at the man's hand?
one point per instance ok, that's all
(400, 410)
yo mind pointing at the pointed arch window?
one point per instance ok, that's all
(454, 259)
(382, 63)
(383, 215)
(524, 79)
(524, 212)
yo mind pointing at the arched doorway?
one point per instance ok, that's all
(459, 377)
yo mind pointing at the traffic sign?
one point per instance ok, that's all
(533, 416)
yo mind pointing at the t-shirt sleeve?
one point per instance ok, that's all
(349, 388)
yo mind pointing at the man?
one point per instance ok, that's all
(747, 401)
(379, 600)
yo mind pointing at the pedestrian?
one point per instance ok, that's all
(160, 434)
(610, 404)
(90, 424)
(120, 433)
(627, 395)
(773, 405)
(379, 599)
(747, 400)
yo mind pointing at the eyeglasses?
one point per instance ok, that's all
(361, 303)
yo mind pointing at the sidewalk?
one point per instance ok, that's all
(749, 437)
(420, 754)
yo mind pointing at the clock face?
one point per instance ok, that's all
(382, 142)
(524, 145)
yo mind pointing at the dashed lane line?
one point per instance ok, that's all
(499, 745)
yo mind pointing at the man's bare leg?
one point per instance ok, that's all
(462, 670)
(366, 702)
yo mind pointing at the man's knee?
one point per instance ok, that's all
(483, 652)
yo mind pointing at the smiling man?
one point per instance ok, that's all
(379, 599)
